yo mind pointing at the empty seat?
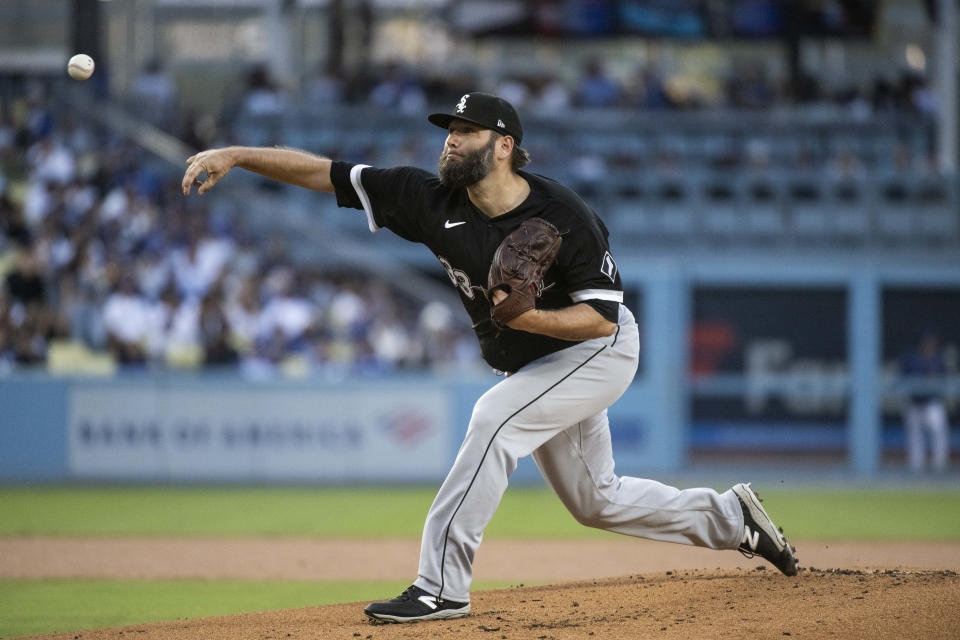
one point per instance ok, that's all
(937, 214)
(763, 210)
(850, 223)
(720, 211)
(809, 216)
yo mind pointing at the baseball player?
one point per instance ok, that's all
(925, 413)
(533, 268)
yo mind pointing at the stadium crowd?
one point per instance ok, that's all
(100, 252)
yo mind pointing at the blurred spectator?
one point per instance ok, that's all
(117, 202)
(40, 199)
(263, 362)
(925, 414)
(243, 316)
(154, 96)
(79, 199)
(882, 97)
(7, 358)
(596, 89)
(649, 90)
(53, 244)
(13, 227)
(51, 161)
(25, 283)
(214, 331)
(171, 332)
(200, 263)
(262, 97)
(515, 90)
(126, 318)
(199, 131)
(398, 90)
(442, 344)
(855, 103)
(804, 88)
(153, 271)
(8, 137)
(31, 321)
(922, 98)
(324, 89)
(38, 119)
(32, 333)
(287, 315)
(390, 341)
(749, 88)
(550, 95)
(85, 307)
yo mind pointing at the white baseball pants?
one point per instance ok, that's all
(922, 421)
(556, 409)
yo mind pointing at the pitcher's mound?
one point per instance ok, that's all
(756, 603)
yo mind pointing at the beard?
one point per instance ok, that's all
(472, 168)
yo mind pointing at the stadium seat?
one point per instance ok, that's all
(676, 212)
(70, 357)
(810, 218)
(721, 210)
(937, 221)
(851, 214)
(763, 210)
(896, 213)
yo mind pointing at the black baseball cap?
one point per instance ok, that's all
(483, 109)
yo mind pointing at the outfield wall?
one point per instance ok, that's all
(225, 430)
(209, 429)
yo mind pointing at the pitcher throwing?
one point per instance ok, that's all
(533, 268)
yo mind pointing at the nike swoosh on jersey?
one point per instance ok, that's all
(451, 225)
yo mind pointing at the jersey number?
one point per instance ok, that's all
(459, 279)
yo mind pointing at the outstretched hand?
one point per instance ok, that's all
(214, 162)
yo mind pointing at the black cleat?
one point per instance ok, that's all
(760, 536)
(414, 605)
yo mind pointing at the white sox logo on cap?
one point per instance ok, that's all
(484, 109)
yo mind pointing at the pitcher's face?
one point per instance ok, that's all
(467, 156)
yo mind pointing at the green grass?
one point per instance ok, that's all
(33, 607)
(867, 515)
(213, 512)
(377, 512)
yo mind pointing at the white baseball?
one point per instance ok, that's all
(80, 66)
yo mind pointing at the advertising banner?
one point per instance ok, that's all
(242, 434)
(769, 368)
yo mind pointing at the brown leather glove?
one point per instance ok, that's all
(518, 267)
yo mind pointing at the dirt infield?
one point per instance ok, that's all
(903, 590)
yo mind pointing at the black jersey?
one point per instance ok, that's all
(414, 204)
